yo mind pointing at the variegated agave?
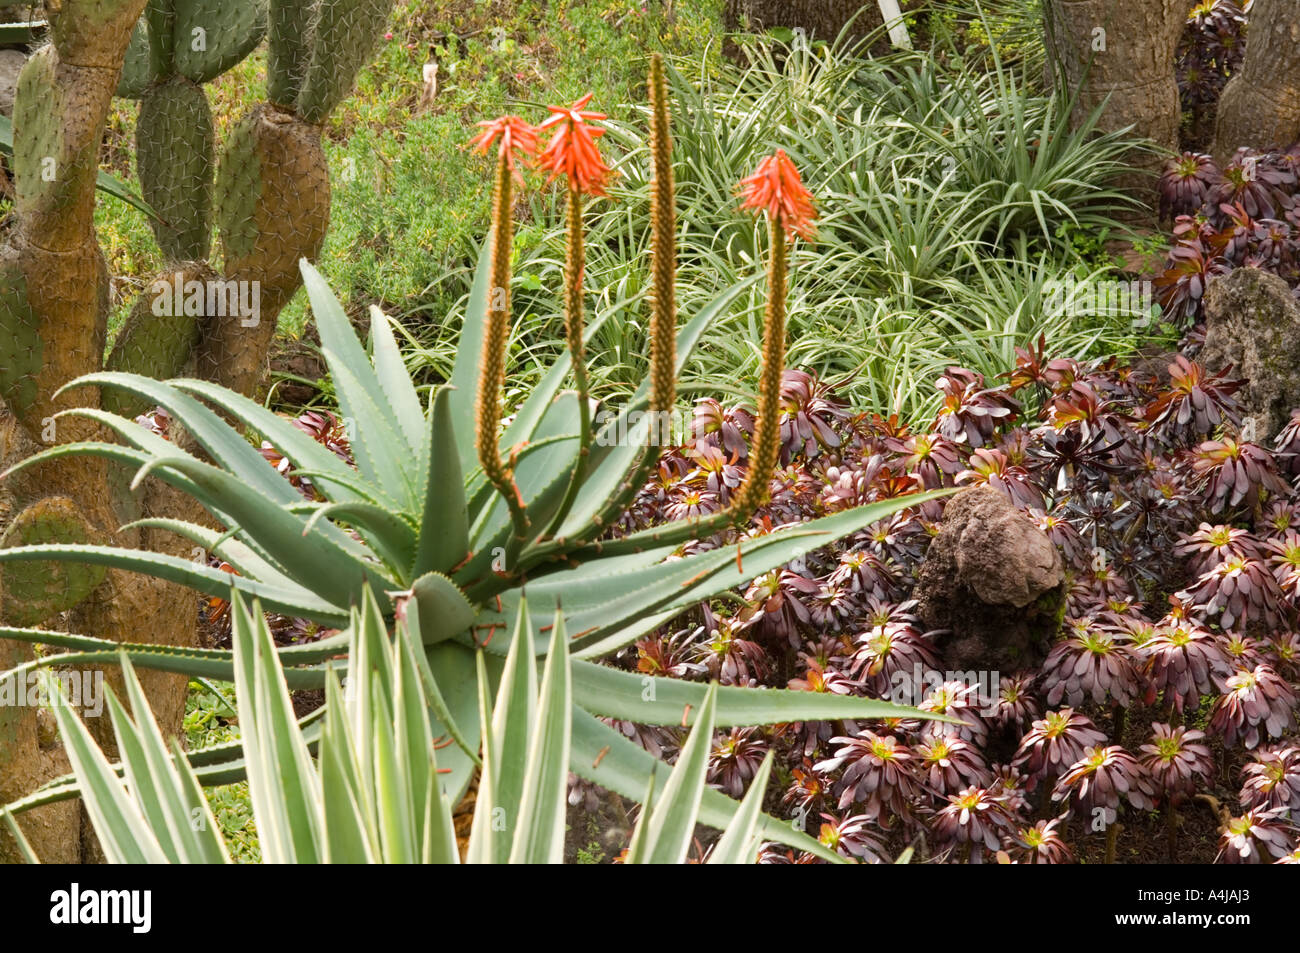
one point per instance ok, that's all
(370, 792)
(446, 507)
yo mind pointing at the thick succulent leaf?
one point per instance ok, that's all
(283, 785)
(395, 380)
(176, 804)
(320, 562)
(387, 533)
(543, 803)
(381, 453)
(507, 742)
(609, 602)
(243, 558)
(127, 456)
(124, 833)
(335, 478)
(433, 691)
(366, 388)
(457, 678)
(444, 520)
(226, 446)
(671, 820)
(186, 572)
(605, 757)
(444, 610)
(647, 700)
(347, 809)
(739, 843)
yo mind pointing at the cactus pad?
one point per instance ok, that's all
(58, 121)
(289, 28)
(137, 73)
(160, 334)
(92, 33)
(346, 33)
(20, 338)
(36, 591)
(174, 153)
(211, 36)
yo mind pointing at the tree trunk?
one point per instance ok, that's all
(1124, 50)
(821, 19)
(1260, 107)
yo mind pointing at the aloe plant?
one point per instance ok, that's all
(367, 793)
(446, 513)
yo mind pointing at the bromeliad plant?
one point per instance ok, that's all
(447, 511)
(370, 795)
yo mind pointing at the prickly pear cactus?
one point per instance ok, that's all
(35, 592)
(159, 337)
(174, 157)
(345, 36)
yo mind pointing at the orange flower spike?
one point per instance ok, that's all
(777, 189)
(572, 150)
(518, 141)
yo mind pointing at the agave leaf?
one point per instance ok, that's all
(243, 558)
(605, 757)
(444, 610)
(284, 786)
(390, 535)
(507, 740)
(186, 572)
(672, 817)
(164, 788)
(739, 843)
(381, 453)
(371, 393)
(335, 478)
(225, 445)
(444, 519)
(321, 563)
(348, 819)
(646, 700)
(543, 801)
(124, 833)
(395, 381)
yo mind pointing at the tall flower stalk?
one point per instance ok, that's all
(776, 189)
(663, 257)
(572, 152)
(518, 144)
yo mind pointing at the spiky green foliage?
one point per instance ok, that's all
(35, 591)
(372, 792)
(416, 532)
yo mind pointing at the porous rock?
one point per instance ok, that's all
(993, 581)
(1252, 322)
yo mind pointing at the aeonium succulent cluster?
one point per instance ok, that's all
(1182, 605)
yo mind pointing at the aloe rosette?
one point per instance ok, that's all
(446, 512)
